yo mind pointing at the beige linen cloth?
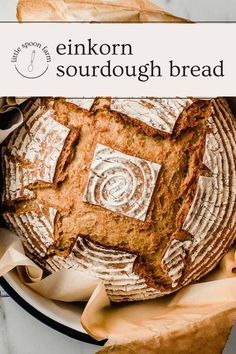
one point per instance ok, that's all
(197, 319)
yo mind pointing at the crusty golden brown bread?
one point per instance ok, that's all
(137, 192)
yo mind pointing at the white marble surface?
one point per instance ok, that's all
(20, 333)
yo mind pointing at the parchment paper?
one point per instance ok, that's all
(93, 11)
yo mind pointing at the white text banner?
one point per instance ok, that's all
(119, 60)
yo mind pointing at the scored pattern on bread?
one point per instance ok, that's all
(16, 179)
(174, 260)
(115, 268)
(188, 252)
(17, 176)
(30, 107)
(120, 182)
(40, 141)
(159, 114)
(85, 103)
(34, 227)
(212, 217)
(36, 153)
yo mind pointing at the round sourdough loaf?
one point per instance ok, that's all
(137, 192)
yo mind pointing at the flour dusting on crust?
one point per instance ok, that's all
(36, 148)
(121, 183)
(85, 103)
(212, 218)
(160, 114)
(174, 260)
(34, 227)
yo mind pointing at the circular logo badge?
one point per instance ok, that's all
(31, 60)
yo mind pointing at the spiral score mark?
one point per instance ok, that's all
(121, 182)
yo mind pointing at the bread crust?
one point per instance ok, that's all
(190, 219)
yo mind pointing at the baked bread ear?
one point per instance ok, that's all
(94, 11)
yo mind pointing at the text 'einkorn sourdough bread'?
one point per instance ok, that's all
(137, 192)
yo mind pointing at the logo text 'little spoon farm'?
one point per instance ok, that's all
(31, 59)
